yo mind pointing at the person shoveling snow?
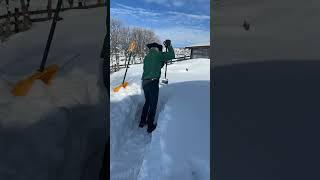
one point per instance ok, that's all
(152, 64)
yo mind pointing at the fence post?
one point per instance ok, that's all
(28, 5)
(49, 9)
(16, 20)
(80, 4)
(70, 3)
(7, 6)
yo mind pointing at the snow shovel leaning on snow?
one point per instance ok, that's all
(44, 74)
(124, 84)
(165, 80)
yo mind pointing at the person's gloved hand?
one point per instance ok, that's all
(167, 43)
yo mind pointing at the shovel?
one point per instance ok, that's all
(44, 74)
(165, 80)
(124, 84)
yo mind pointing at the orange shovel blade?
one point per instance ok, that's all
(23, 86)
(124, 85)
(49, 73)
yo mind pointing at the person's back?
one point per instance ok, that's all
(153, 62)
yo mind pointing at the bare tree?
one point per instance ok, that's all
(121, 37)
(115, 30)
(125, 40)
(137, 36)
(143, 37)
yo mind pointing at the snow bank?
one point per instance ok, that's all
(76, 88)
(127, 141)
(124, 107)
(59, 128)
(179, 147)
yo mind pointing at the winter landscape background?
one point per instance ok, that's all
(62, 129)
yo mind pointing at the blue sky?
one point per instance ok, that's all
(185, 22)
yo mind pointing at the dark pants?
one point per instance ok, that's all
(151, 92)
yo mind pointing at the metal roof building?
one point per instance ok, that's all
(199, 50)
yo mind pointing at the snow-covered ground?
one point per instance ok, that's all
(179, 148)
(55, 132)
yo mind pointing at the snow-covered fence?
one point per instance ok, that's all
(182, 58)
(114, 68)
(46, 11)
(19, 21)
(14, 23)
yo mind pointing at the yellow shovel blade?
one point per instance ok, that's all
(23, 86)
(49, 73)
(124, 85)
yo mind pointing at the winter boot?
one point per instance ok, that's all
(142, 124)
(151, 128)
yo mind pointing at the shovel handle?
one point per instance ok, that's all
(165, 73)
(125, 74)
(53, 26)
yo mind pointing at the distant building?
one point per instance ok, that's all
(199, 50)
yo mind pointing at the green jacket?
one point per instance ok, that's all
(153, 62)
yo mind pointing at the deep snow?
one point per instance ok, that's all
(55, 132)
(179, 147)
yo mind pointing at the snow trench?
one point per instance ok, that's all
(179, 146)
(129, 143)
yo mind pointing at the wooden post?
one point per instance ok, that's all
(16, 20)
(23, 6)
(191, 55)
(80, 4)
(49, 9)
(28, 5)
(26, 22)
(117, 61)
(70, 3)
(7, 6)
